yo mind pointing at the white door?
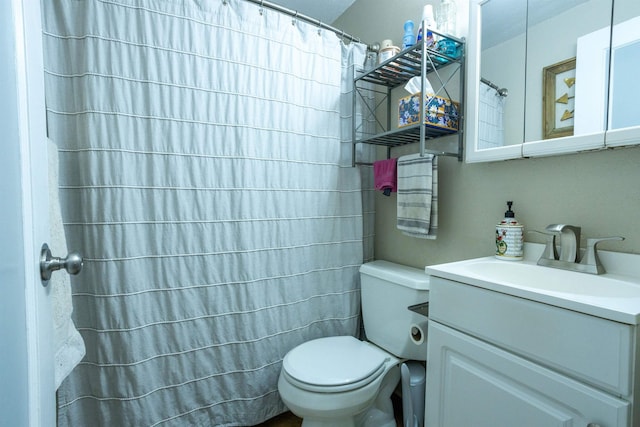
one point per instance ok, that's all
(27, 394)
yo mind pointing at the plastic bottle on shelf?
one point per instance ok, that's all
(446, 17)
(409, 38)
(387, 51)
(429, 22)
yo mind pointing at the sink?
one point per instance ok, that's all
(528, 275)
(614, 295)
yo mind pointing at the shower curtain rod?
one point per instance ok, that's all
(296, 15)
(501, 90)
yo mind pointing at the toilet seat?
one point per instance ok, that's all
(334, 364)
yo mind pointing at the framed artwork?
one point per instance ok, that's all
(558, 100)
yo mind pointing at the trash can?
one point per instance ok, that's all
(413, 388)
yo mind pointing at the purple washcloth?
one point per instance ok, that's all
(385, 177)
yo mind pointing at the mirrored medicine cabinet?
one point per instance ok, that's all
(547, 77)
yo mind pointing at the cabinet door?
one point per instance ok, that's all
(494, 123)
(472, 383)
(560, 114)
(623, 124)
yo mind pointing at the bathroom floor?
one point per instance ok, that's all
(289, 420)
(283, 420)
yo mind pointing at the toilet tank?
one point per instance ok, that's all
(387, 289)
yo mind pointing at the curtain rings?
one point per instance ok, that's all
(319, 27)
(261, 10)
(295, 18)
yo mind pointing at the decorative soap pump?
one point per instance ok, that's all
(509, 237)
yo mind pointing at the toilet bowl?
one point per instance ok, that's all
(344, 378)
(344, 382)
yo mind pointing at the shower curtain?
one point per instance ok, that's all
(205, 175)
(491, 112)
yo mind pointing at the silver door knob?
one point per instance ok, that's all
(48, 264)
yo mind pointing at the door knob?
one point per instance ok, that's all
(48, 264)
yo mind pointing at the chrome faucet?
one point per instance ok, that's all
(569, 241)
(590, 259)
(569, 257)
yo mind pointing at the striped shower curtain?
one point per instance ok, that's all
(206, 177)
(491, 113)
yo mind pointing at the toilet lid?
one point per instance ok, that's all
(343, 362)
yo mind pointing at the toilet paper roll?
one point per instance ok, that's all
(418, 332)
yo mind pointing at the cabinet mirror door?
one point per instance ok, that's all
(566, 89)
(551, 58)
(623, 118)
(496, 54)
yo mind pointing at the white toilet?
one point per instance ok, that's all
(344, 382)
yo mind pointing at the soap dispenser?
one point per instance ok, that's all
(509, 237)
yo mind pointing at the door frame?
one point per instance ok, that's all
(35, 208)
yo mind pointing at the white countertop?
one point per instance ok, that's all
(614, 295)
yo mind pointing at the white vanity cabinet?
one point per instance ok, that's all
(496, 359)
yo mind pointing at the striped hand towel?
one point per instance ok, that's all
(418, 195)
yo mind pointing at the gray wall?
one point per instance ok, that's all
(599, 191)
